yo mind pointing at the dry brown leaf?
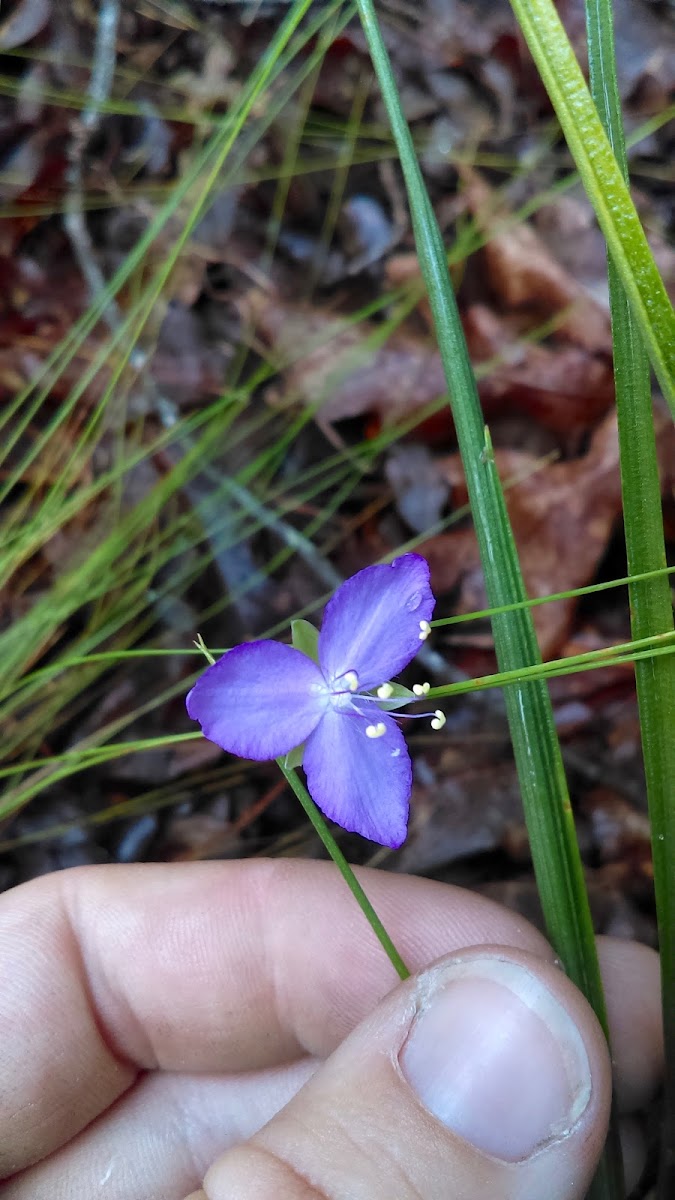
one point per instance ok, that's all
(562, 516)
(561, 387)
(523, 274)
(343, 371)
(337, 366)
(460, 810)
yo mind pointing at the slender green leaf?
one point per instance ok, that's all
(650, 600)
(555, 852)
(604, 183)
(536, 746)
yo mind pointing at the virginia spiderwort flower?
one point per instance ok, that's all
(263, 699)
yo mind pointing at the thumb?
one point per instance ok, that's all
(485, 1075)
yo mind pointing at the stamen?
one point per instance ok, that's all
(385, 691)
(351, 680)
(425, 630)
(439, 719)
(376, 731)
(421, 689)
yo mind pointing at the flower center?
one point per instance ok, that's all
(342, 688)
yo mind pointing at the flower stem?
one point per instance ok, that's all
(345, 870)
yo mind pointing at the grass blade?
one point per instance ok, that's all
(650, 600)
(550, 823)
(604, 182)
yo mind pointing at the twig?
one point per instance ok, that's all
(100, 83)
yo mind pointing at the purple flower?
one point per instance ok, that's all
(263, 699)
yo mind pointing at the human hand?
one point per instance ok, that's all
(233, 1026)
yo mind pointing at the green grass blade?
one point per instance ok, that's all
(517, 645)
(604, 182)
(650, 600)
(201, 177)
(97, 749)
(555, 852)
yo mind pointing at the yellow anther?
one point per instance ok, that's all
(438, 720)
(376, 731)
(421, 689)
(425, 630)
(351, 680)
(384, 691)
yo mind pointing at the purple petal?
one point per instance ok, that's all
(372, 623)
(259, 700)
(361, 783)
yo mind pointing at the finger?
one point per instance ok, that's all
(486, 1076)
(158, 1141)
(196, 967)
(634, 1151)
(187, 1120)
(632, 979)
(161, 1137)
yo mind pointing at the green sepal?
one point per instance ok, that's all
(294, 757)
(305, 637)
(400, 696)
(200, 644)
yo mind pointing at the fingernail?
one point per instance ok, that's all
(494, 1055)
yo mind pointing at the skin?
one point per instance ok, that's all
(159, 1023)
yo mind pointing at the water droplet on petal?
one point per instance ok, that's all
(413, 602)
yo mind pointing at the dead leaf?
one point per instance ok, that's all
(338, 367)
(419, 487)
(344, 370)
(523, 274)
(459, 810)
(562, 516)
(561, 387)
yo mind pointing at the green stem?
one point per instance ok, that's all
(345, 870)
